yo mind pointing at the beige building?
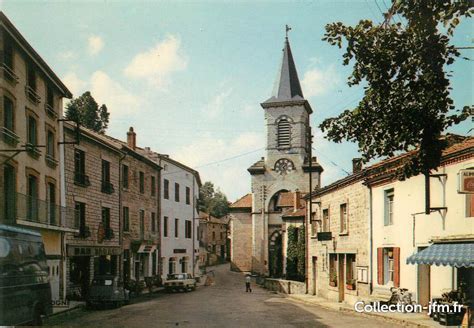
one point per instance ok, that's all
(212, 236)
(30, 149)
(92, 188)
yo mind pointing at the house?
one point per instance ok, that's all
(92, 171)
(212, 236)
(31, 180)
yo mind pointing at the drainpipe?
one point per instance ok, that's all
(62, 202)
(120, 266)
(158, 214)
(371, 239)
(192, 232)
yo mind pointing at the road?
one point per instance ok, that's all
(223, 304)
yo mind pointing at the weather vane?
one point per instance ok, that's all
(287, 29)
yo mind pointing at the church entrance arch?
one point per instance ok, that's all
(275, 255)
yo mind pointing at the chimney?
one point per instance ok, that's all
(296, 200)
(131, 138)
(356, 165)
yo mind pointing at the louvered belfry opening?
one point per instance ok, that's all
(284, 133)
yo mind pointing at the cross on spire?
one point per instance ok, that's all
(287, 29)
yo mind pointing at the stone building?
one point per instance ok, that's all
(212, 236)
(285, 168)
(92, 187)
(338, 240)
(31, 180)
(179, 192)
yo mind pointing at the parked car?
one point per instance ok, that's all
(180, 281)
(107, 290)
(25, 292)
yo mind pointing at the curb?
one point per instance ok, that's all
(67, 311)
(403, 322)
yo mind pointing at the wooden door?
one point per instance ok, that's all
(424, 276)
(341, 283)
(315, 268)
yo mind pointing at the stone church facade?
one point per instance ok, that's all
(258, 225)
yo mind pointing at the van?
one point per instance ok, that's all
(25, 292)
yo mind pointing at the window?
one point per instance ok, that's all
(153, 185)
(188, 195)
(8, 53)
(106, 217)
(142, 224)
(80, 216)
(50, 144)
(184, 265)
(470, 203)
(80, 176)
(9, 188)
(126, 218)
(388, 266)
(50, 97)
(314, 224)
(125, 176)
(388, 215)
(107, 187)
(188, 229)
(165, 226)
(343, 218)
(31, 77)
(326, 220)
(350, 269)
(333, 270)
(176, 227)
(32, 199)
(166, 189)
(51, 202)
(32, 136)
(8, 114)
(213, 236)
(284, 133)
(172, 266)
(142, 182)
(153, 222)
(176, 192)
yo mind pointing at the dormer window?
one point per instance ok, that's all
(284, 133)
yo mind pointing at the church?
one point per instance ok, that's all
(259, 220)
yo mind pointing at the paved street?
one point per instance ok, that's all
(224, 304)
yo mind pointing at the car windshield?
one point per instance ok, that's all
(102, 282)
(176, 276)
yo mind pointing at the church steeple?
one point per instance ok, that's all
(287, 85)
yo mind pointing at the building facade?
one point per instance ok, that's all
(95, 194)
(212, 236)
(31, 179)
(285, 168)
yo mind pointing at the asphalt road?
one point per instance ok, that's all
(223, 304)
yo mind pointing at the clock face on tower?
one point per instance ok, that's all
(284, 166)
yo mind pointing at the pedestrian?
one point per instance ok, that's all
(248, 288)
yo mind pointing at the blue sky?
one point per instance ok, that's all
(189, 76)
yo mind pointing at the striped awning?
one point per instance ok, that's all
(449, 254)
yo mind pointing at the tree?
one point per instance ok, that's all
(87, 112)
(407, 102)
(211, 201)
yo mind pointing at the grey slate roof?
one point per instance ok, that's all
(287, 85)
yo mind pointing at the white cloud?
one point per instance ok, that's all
(107, 91)
(67, 55)
(230, 175)
(95, 44)
(214, 108)
(74, 83)
(317, 82)
(157, 64)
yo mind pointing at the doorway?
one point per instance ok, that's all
(315, 268)
(424, 284)
(341, 283)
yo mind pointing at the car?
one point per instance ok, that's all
(25, 292)
(107, 290)
(180, 282)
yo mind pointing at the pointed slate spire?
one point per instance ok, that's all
(287, 85)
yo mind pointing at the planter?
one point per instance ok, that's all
(333, 283)
(350, 286)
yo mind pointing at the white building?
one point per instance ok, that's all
(401, 228)
(179, 192)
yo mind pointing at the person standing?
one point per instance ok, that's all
(248, 288)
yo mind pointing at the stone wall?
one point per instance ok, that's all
(285, 286)
(241, 246)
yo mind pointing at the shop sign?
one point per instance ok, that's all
(466, 181)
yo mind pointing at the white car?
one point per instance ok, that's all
(180, 281)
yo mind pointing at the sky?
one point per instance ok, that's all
(190, 76)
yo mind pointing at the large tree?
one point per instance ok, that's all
(404, 65)
(87, 112)
(211, 201)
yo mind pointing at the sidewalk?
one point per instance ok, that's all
(403, 319)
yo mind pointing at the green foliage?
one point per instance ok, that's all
(87, 112)
(295, 254)
(407, 102)
(211, 201)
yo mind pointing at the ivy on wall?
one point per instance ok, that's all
(295, 262)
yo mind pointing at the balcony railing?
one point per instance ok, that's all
(84, 232)
(81, 179)
(107, 187)
(32, 95)
(50, 111)
(33, 150)
(27, 208)
(8, 74)
(9, 136)
(109, 233)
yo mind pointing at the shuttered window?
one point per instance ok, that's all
(284, 133)
(388, 266)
